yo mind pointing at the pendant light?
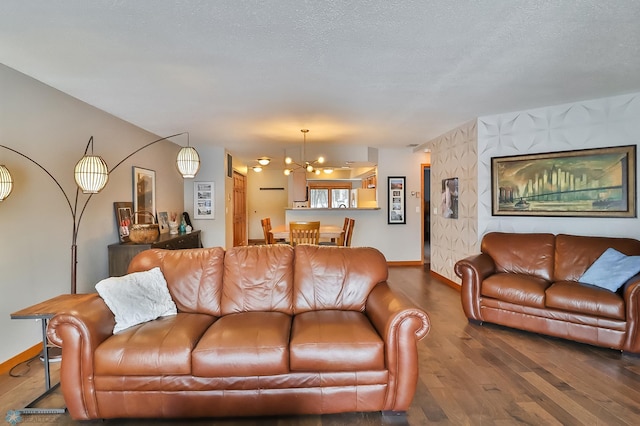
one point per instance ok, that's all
(308, 165)
(6, 182)
(91, 172)
(188, 161)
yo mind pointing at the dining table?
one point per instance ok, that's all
(330, 232)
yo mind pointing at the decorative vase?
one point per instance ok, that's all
(173, 227)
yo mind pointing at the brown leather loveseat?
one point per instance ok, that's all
(532, 282)
(260, 330)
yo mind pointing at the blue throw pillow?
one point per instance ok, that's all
(611, 270)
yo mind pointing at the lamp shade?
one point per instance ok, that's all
(188, 162)
(6, 182)
(91, 174)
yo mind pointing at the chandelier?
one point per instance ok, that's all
(307, 165)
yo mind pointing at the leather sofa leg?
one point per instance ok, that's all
(394, 417)
(475, 321)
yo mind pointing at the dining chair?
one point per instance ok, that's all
(341, 240)
(304, 233)
(347, 238)
(266, 227)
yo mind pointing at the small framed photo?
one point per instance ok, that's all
(163, 222)
(203, 196)
(124, 219)
(397, 202)
(450, 198)
(144, 194)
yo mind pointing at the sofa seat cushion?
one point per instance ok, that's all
(520, 289)
(159, 347)
(244, 344)
(572, 296)
(331, 340)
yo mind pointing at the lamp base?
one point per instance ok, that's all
(54, 352)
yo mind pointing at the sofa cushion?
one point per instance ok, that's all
(258, 278)
(335, 341)
(159, 347)
(574, 254)
(516, 288)
(584, 299)
(335, 277)
(244, 344)
(611, 270)
(527, 254)
(194, 276)
(136, 298)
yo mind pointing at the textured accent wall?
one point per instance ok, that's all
(605, 122)
(454, 154)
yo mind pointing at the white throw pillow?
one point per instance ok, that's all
(136, 298)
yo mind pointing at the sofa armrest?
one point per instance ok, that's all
(632, 303)
(473, 270)
(401, 324)
(79, 332)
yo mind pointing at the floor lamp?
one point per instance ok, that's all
(91, 175)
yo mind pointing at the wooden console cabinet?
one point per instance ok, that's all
(120, 254)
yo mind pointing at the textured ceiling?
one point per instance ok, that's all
(248, 75)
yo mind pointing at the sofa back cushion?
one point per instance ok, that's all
(194, 276)
(529, 254)
(327, 277)
(574, 254)
(258, 278)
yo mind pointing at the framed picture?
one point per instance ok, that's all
(396, 200)
(163, 222)
(124, 218)
(203, 206)
(450, 198)
(229, 166)
(598, 182)
(144, 194)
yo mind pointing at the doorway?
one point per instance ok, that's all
(239, 209)
(426, 213)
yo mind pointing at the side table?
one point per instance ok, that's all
(44, 311)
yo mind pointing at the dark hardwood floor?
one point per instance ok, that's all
(469, 375)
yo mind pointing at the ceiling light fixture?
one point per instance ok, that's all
(257, 169)
(307, 165)
(264, 161)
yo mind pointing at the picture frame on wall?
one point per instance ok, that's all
(450, 198)
(203, 200)
(598, 182)
(397, 203)
(144, 194)
(124, 218)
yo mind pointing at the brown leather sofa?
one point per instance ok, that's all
(260, 330)
(530, 282)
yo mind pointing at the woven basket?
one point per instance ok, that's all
(143, 233)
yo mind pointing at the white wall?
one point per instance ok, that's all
(454, 154)
(398, 243)
(212, 169)
(263, 203)
(35, 221)
(606, 122)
